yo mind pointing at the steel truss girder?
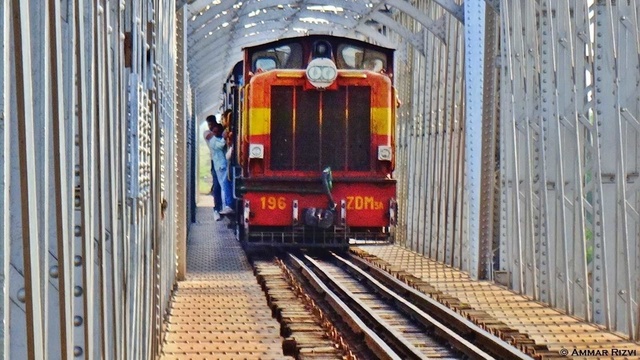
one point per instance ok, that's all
(200, 65)
(267, 8)
(415, 39)
(200, 70)
(270, 23)
(28, 199)
(196, 22)
(90, 241)
(230, 40)
(5, 237)
(352, 23)
(354, 7)
(436, 27)
(474, 77)
(569, 157)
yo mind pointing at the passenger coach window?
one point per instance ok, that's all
(282, 57)
(355, 57)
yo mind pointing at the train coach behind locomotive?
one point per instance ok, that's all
(314, 121)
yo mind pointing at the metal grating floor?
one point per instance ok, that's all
(220, 310)
(534, 326)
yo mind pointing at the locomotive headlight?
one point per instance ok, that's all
(321, 72)
(256, 151)
(384, 153)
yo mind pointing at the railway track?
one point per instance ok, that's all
(360, 307)
(393, 327)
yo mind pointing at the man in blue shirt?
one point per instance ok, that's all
(217, 146)
(217, 190)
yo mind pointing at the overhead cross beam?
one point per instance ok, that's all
(217, 30)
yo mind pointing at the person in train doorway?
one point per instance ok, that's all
(218, 145)
(216, 189)
(227, 134)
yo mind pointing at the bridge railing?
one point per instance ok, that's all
(92, 137)
(560, 191)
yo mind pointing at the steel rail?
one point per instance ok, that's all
(441, 314)
(377, 345)
(398, 339)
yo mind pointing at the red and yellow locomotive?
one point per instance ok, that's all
(314, 118)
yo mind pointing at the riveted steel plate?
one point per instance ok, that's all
(213, 252)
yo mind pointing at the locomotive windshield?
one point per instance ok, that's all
(287, 56)
(356, 57)
(347, 55)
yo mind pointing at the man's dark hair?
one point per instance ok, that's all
(212, 118)
(219, 127)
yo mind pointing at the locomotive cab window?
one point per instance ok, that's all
(355, 57)
(281, 57)
(265, 64)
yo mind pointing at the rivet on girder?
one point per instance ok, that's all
(53, 271)
(22, 295)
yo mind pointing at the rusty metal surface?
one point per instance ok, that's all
(535, 328)
(219, 311)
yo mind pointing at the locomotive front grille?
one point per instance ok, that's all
(311, 130)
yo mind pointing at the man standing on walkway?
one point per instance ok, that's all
(216, 190)
(217, 145)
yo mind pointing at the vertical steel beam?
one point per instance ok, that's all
(422, 200)
(625, 37)
(550, 261)
(506, 114)
(439, 153)
(459, 221)
(451, 134)
(512, 25)
(85, 160)
(182, 133)
(111, 41)
(531, 59)
(24, 113)
(5, 176)
(426, 68)
(489, 133)
(118, 132)
(568, 78)
(553, 163)
(54, 37)
(102, 118)
(432, 62)
(411, 166)
(474, 15)
(607, 122)
(628, 106)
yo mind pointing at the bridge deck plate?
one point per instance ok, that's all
(219, 311)
(535, 328)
